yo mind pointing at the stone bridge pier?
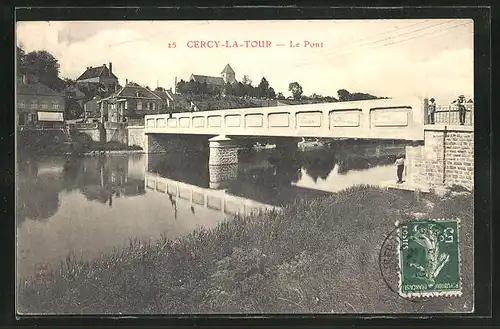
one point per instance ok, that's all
(222, 161)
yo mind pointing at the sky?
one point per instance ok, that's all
(391, 58)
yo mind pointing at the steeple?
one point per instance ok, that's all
(228, 74)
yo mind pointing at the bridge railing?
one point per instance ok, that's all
(378, 119)
(449, 114)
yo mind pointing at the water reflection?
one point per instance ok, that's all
(92, 204)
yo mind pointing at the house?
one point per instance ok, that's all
(130, 102)
(227, 76)
(37, 103)
(72, 92)
(91, 108)
(99, 75)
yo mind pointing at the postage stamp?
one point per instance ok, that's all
(429, 258)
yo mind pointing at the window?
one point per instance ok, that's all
(154, 106)
(148, 106)
(45, 105)
(22, 119)
(33, 117)
(126, 105)
(22, 105)
(139, 106)
(33, 105)
(55, 105)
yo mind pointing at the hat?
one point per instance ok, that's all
(432, 99)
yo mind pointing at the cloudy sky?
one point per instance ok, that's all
(395, 58)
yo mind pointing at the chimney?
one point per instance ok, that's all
(126, 81)
(110, 68)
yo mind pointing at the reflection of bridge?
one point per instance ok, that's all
(372, 119)
(204, 197)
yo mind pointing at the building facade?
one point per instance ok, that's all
(130, 102)
(228, 76)
(99, 75)
(36, 102)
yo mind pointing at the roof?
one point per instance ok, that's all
(94, 72)
(78, 93)
(208, 79)
(129, 91)
(164, 95)
(228, 69)
(36, 88)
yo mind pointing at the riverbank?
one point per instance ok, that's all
(315, 256)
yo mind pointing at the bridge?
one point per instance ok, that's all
(371, 119)
(226, 131)
(196, 196)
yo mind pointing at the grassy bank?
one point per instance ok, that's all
(315, 256)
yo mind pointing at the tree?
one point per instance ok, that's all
(246, 80)
(228, 89)
(249, 90)
(191, 88)
(181, 87)
(43, 65)
(263, 88)
(271, 93)
(239, 89)
(69, 82)
(343, 95)
(296, 90)
(20, 65)
(73, 110)
(160, 89)
(280, 96)
(361, 97)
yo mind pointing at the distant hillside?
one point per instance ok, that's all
(208, 103)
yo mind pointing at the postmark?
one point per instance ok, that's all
(429, 258)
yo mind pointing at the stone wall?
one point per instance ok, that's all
(459, 158)
(93, 133)
(445, 159)
(117, 135)
(136, 136)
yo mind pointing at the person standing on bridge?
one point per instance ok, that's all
(400, 165)
(432, 111)
(461, 108)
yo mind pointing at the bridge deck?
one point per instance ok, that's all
(373, 119)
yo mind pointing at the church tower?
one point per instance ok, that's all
(228, 74)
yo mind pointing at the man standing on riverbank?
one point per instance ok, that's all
(400, 165)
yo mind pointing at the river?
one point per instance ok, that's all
(96, 203)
